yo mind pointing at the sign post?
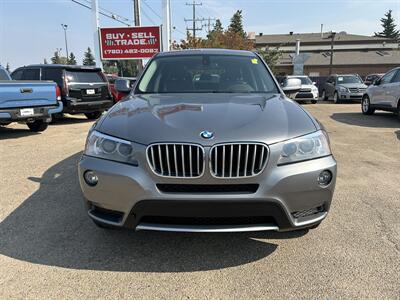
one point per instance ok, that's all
(129, 42)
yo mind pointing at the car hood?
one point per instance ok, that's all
(353, 85)
(154, 118)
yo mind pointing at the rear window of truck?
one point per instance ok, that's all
(83, 76)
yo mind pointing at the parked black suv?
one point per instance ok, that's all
(84, 89)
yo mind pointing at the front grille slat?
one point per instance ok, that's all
(234, 160)
(176, 160)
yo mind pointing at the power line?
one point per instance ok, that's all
(154, 12)
(110, 12)
(113, 17)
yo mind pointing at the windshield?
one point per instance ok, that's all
(349, 79)
(83, 76)
(304, 80)
(206, 74)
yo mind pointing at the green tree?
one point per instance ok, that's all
(71, 59)
(271, 57)
(57, 59)
(389, 27)
(45, 61)
(88, 58)
(237, 24)
(8, 67)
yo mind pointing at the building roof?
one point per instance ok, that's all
(348, 58)
(316, 38)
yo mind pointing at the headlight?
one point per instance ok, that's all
(343, 89)
(307, 147)
(111, 148)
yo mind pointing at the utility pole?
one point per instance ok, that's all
(209, 24)
(136, 18)
(65, 27)
(95, 26)
(194, 20)
(332, 37)
(166, 28)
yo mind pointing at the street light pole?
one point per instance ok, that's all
(65, 27)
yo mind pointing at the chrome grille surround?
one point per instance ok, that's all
(239, 160)
(176, 160)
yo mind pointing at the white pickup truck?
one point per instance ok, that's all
(30, 102)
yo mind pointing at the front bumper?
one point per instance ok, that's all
(307, 96)
(40, 112)
(128, 196)
(350, 96)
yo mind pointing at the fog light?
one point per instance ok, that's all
(90, 178)
(325, 177)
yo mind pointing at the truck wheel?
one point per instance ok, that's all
(38, 125)
(93, 115)
(366, 106)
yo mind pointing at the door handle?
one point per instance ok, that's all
(26, 90)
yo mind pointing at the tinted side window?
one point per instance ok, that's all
(53, 74)
(396, 78)
(388, 77)
(17, 75)
(31, 74)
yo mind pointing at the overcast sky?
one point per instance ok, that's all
(30, 30)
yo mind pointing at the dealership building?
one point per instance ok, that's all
(351, 53)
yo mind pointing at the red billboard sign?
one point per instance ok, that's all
(130, 42)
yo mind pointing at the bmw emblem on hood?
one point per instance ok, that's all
(207, 134)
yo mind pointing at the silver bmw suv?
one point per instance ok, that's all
(207, 142)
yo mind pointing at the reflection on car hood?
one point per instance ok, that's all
(231, 117)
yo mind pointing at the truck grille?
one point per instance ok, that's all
(176, 160)
(238, 160)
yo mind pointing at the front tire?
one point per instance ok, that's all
(324, 97)
(93, 115)
(336, 98)
(366, 106)
(37, 126)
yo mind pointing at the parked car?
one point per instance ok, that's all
(346, 87)
(308, 91)
(231, 153)
(84, 89)
(118, 95)
(384, 94)
(32, 103)
(370, 79)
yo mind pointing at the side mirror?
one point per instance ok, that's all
(292, 86)
(314, 83)
(123, 86)
(377, 82)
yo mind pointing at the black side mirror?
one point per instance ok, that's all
(377, 82)
(123, 86)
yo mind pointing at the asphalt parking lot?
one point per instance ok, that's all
(49, 247)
